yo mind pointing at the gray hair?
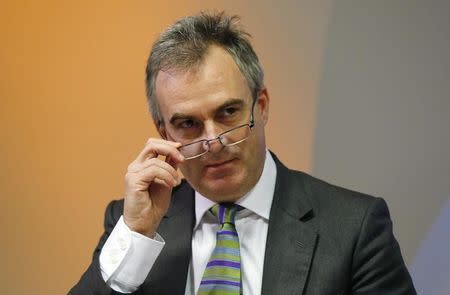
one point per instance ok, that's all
(184, 44)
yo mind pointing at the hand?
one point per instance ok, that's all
(148, 185)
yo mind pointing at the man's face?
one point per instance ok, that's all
(201, 104)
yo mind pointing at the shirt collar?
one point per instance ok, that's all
(258, 199)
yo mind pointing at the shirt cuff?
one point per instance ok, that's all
(127, 257)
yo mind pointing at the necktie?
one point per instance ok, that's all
(223, 271)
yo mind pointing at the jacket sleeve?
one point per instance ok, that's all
(378, 266)
(91, 282)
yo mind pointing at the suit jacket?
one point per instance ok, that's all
(322, 239)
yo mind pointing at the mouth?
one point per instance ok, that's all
(219, 164)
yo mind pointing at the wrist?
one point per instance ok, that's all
(147, 231)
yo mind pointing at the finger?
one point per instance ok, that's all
(173, 163)
(156, 147)
(175, 166)
(154, 162)
(149, 174)
(153, 139)
(162, 182)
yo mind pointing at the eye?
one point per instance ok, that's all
(229, 111)
(186, 124)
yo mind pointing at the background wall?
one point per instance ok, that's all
(383, 118)
(73, 113)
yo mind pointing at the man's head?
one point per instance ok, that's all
(203, 78)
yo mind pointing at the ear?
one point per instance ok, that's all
(262, 105)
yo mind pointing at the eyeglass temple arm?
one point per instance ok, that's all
(252, 120)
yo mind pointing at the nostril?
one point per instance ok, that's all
(215, 145)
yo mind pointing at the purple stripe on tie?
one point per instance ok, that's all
(221, 211)
(220, 282)
(227, 232)
(223, 263)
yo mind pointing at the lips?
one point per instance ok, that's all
(219, 164)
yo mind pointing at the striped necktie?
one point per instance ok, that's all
(223, 271)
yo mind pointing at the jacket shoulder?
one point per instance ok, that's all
(322, 192)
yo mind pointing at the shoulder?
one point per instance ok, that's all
(342, 217)
(329, 203)
(342, 214)
(325, 195)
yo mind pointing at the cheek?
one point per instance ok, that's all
(190, 171)
(185, 169)
(255, 142)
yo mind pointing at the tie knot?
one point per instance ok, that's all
(225, 212)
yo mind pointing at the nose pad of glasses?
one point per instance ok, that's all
(213, 145)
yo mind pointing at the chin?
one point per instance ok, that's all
(227, 188)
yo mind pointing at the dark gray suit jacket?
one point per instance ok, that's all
(322, 239)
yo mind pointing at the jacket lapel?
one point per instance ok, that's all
(169, 274)
(290, 241)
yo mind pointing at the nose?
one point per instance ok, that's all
(215, 146)
(211, 132)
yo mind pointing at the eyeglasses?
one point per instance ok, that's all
(228, 138)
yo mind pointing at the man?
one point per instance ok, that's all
(240, 222)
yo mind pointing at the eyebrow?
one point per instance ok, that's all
(228, 103)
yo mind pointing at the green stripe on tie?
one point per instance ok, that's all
(223, 271)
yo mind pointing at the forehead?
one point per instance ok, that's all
(215, 80)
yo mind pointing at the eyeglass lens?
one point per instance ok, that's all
(230, 137)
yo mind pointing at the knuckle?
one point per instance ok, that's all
(150, 141)
(131, 167)
(153, 161)
(128, 177)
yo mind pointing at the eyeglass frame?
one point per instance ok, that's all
(251, 124)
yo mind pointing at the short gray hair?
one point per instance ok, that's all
(184, 44)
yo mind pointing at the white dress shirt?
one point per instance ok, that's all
(127, 257)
